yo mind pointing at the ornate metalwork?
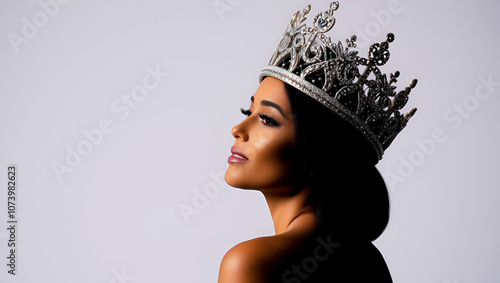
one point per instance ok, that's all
(334, 75)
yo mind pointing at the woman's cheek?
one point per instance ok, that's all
(264, 139)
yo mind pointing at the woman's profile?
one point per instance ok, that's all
(316, 127)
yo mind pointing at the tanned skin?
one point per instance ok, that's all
(263, 159)
(266, 138)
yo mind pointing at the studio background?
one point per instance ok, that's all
(145, 94)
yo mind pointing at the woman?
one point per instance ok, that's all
(310, 141)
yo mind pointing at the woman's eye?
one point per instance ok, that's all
(268, 121)
(246, 112)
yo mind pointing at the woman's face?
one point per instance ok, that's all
(262, 154)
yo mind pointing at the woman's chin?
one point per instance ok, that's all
(234, 181)
(230, 178)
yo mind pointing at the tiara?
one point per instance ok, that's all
(351, 86)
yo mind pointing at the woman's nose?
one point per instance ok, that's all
(240, 131)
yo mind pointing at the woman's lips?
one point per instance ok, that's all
(237, 156)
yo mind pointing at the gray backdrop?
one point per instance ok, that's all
(117, 116)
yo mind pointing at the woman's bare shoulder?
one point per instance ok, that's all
(259, 259)
(254, 260)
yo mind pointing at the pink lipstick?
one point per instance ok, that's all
(237, 156)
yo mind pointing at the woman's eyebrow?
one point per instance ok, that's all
(271, 104)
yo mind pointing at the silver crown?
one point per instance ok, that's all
(351, 86)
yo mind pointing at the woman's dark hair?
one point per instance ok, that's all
(348, 192)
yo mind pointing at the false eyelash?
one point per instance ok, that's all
(246, 112)
(268, 121)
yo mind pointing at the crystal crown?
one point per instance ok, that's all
(351, 86)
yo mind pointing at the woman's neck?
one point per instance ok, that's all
(285, 209)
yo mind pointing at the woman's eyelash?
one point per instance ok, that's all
(246, 112)
(268, 121)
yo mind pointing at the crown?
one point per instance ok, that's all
(351, 86)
